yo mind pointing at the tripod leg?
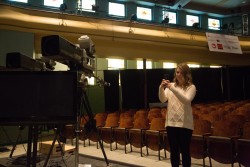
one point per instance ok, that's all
(29, 146)
(14, 146)
(35, 139)
(101, 146)
(51, 148)
(91, 117)
(60, 146)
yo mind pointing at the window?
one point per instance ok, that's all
(144, 13)
(170, 15)
(53, 3)
(193, 65)
(24, 1)
(169, 65)
(116, 9)
(191, 19)
(115, 64)
(215, 66)
(87, 5)
(213, 24)
(140, 64)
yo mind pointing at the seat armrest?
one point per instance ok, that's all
(162, 130)
(129, 128)
(142, 130)
(235, 137)
(207, 134)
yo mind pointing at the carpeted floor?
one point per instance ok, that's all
(68, 160)
(90, 156)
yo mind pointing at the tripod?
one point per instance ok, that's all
(90, 125)
(53, 143)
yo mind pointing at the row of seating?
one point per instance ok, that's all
(222, 132)
(222, 142)
(137, 132)
(217, 111)
(143, 128)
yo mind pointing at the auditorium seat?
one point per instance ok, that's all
(120, 133)
(136, 135)
(106, 132)
(243, 146)
(198, 145)
(152, 115)
(154, 136)
(83, 135)
(100, 119)
(68, 132)
(239, 121)
(221, 144)
(164, 112)
(141, 113)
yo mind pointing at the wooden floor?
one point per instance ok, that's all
(95, 157)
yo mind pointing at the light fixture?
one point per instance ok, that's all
(231, 25)
(63, 7)
(228, 28)
(196, 25)
(165, 20)
(95, 7)
(133, 17)
(224, 27)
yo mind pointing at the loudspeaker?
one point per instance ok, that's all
(245, 24)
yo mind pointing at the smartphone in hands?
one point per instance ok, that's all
(166, 76)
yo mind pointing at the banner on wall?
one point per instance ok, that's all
(223, 43)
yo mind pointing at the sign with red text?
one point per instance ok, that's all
(223, 43)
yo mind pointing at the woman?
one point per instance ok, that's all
(179, 118)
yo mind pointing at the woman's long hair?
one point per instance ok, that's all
(186, 74)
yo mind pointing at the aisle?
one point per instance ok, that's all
(133, 158)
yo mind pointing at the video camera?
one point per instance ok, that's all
(79, 57)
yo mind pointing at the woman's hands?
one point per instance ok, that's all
(165, 83)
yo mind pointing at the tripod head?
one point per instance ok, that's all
(78, 57)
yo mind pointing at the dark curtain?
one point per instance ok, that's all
(111, 92)
(208, 82)
(132, 84)
(154, 78)
(238, 83)
(246, 84)
(213, 85)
